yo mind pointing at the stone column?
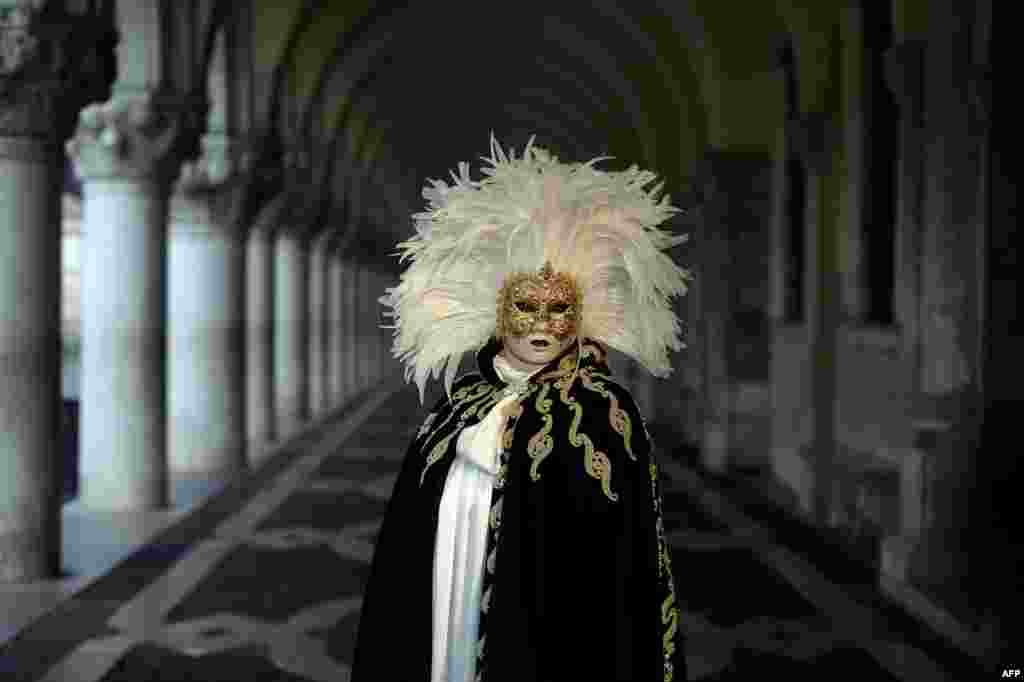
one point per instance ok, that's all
(261, 428)
(366, 328)
(950, 406)
(206, 427)
(351, 319)
(42, 86)
(291, 333)
(816, 138)
(355, 324)
(120, 151)
(378, 333)
(30, 172)
(376, 339)
(320, 300)
(331, 293)
(29, 356)
(714, 293)
(336, 330)
(355, 316)
(904, 75)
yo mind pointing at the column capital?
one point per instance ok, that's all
(50, 62)
(223, 160)
(27, 86)
(129, 136)
(206, 215)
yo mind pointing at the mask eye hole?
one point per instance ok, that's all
(559, 307)
(525, 307)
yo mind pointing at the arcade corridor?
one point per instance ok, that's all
(201, 418)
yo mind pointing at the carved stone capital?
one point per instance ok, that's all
(222, 161)
(20, 44)
(207, 215)
(28, 83)
(130, 136)
(50, 63)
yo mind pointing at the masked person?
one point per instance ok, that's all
(524, 540)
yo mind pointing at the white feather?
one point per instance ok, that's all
(598, 225)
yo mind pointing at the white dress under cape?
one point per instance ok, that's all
(461, 540)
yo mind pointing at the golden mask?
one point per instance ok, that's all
(541, 302)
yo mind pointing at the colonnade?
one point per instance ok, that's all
(203, 344)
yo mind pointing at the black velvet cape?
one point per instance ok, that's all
(578, 583)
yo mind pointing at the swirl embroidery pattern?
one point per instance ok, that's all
(595, 463)
(479, 394)
(617, 417)
(669, 607)
(541, 444)
(493, 540)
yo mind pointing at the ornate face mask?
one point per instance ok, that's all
(545, 302)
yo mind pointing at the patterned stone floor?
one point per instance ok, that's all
(263, 583)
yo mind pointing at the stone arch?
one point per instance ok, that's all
(215, 29)
(357, 58)
(597, 81)
(368, 29)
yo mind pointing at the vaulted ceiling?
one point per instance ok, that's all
(392, 93)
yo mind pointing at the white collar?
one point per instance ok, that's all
(510, 375)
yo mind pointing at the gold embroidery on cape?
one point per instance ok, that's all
(595, 463)
(541, 444)
(617, 417)
(510, 430)
(496, 514)
(669, 608)
(483, 393)
(484, 407)
(598, 466)
(458, 398)
(565, 367)
(670, 618)
(426, 424)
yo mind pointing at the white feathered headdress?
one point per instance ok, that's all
(598, 226)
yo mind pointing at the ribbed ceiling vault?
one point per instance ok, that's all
(396, 92)
(586, 79)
